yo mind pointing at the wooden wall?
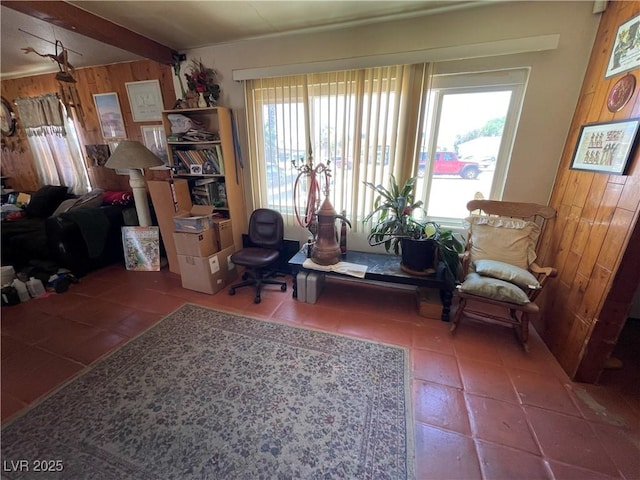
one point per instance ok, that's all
(17, 161)
(589, 242)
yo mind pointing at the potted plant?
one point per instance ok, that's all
(422, 244)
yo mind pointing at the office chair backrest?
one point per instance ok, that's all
(266, 229)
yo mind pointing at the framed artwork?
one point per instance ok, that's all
(97, 154)
(145, 99)
(606, 147)
(109, 114)
(625, 54)
(154, 139)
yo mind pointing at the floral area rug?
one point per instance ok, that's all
(211, 395)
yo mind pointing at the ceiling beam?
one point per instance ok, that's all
(70, 17)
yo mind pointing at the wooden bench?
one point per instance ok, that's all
(380, 268)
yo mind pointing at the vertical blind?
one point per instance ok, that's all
(362, 123)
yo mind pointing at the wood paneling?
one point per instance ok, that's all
(590, 239)
(103, 79)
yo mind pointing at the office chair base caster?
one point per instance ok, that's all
(257, 299)
(283, 288)
(232, 291)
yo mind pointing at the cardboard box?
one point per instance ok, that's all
(207, 274)
(429, 304)
(224, 232)
(200, 244)
(169, 197)
(197, 219)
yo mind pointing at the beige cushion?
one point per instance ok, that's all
(91, 199)
(494, 289)
(506, 272)
(508, 240)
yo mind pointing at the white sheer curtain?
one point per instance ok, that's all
(54, 143)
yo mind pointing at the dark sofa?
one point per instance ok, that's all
(83, 238)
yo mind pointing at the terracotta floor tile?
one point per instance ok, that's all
(100, 313)
(394, 332)
(92, 287)
(67, 338)
(501, 422)
(436, 367)
(440, 406)
(487, 379)
(603, 405)
(623, 446)
(445, 455)
(317, 317)
(10, 346)
(500, 462)
(481, 341)
(10, 405)
(571, 472)
(463, 385)
(569, 440)
(33, 328)
(433, 335)
(543, 391)
(136, 323)
(95, 347)
(34, 372)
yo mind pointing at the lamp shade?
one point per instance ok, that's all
(132, 154)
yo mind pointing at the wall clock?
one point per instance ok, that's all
(621, 93)
(7, 119)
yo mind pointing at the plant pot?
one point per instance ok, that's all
(418, 256)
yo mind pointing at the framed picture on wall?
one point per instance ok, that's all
(145, 99)
(606, 147)
(109, 114)
(625, 54)
(154, 139)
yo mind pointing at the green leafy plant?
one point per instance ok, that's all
(395, 207)
(396, 210)
(450, 246)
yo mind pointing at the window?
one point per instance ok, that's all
(372, 123)
(54, 143)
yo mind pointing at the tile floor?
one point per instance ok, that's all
(482, 407)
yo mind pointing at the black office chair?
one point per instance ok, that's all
(266, 234)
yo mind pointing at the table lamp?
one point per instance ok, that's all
(135, 157)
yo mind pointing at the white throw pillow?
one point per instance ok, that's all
(506, 272)
(505, 239)
(494, 289)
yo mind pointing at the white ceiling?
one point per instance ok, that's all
(183, 25)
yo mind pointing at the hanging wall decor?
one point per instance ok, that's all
(109, 114)
(606, 147)
(145, 99)
(625, 54)
(621, 93)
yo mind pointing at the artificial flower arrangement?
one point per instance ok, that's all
(203, 80)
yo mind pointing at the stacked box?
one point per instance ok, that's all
(207, 274)
(198, 219)
(205, 261)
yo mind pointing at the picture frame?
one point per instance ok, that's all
(154, 138)
(606, 147)
(109, 115)
(625, 53)
(145, 100)
(112, 148)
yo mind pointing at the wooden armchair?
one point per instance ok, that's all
(499, 266)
